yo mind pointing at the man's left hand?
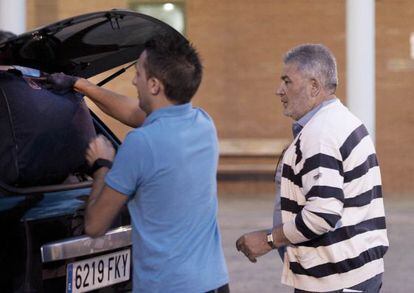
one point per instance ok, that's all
(253, 245)
(60, 83)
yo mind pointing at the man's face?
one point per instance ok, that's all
(294, 92)
(140, 81)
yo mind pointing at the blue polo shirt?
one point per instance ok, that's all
(167, 168)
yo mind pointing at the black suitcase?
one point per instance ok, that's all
(44, 135)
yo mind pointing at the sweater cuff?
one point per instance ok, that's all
(292, 233)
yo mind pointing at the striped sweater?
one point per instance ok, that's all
(332, 206)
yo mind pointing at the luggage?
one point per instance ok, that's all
(44, 135)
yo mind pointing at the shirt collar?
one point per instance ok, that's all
(298, 125)
(169, 111)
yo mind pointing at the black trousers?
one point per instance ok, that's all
(222, 289)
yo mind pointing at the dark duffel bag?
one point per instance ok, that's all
(44, 135)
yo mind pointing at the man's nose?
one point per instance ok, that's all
(280, 91)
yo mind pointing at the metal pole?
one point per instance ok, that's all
(13, 16)
(360, 48)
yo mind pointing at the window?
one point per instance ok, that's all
(172, 13)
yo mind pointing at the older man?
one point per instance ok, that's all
(329, 223)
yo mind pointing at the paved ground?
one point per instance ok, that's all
(240, 214)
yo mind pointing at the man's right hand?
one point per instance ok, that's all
(60, 83)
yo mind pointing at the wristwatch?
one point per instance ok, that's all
(269, 239)
(99, 163)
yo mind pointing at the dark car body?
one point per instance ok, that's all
(42, 234)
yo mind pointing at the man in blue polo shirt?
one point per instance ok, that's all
(165, 170)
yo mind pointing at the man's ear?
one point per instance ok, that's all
(315, 87)
(154, 86)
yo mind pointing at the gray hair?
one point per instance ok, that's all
(317, 61)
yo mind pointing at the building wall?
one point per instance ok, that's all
(41, 12)
(242, 43)
(395, 94)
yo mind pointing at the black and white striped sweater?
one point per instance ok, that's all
(332, 206)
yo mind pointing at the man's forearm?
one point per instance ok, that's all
(98, 184)
(97, 187)
(279, 238)
(120, 107)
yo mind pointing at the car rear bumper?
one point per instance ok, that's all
(84, 245)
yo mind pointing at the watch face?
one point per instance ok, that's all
(269, 237)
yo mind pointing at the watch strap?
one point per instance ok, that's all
(99, 163)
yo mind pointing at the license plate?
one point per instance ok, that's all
(98, 272)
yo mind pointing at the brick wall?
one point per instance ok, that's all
(242, 43)
(395, 94)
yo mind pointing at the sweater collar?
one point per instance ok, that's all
(298, 125)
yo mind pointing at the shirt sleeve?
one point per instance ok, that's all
(322, 185)
(131, 165)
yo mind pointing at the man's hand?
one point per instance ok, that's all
(100, 147)
(104, 203)
(253, 244)
(60, 82)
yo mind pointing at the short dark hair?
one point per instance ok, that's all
(176, 63)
